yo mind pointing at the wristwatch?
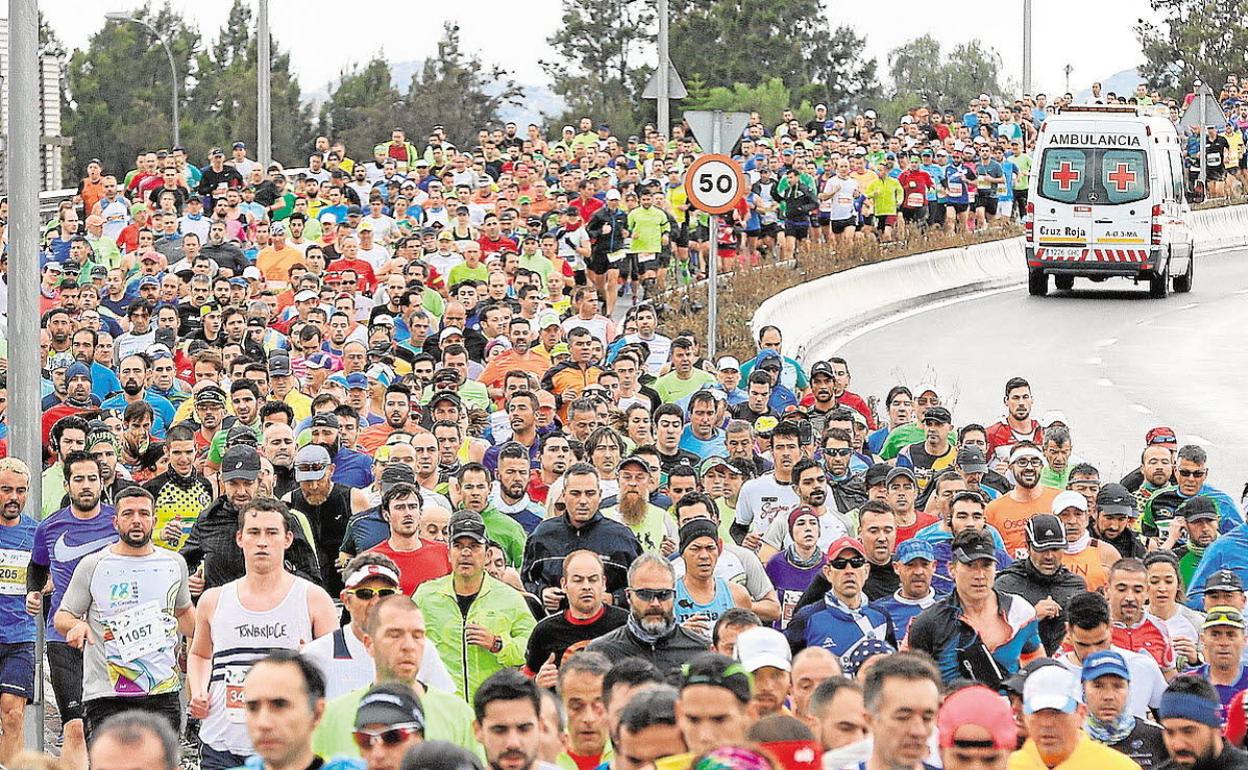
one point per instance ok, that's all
(497, 647)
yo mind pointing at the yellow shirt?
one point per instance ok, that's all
(1088, 755)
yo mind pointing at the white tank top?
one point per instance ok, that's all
(116, 216)
(240, 637)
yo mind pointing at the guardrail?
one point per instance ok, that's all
(50, 199)
(817, 315)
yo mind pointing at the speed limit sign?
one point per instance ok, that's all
(715, 183)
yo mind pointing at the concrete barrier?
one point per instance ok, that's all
(814, 314)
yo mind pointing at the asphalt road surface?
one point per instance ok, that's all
(1116, 362)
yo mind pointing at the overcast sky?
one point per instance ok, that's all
(1096, 38)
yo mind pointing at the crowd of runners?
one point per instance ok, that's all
(362, 462)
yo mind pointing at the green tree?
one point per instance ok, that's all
(362, 108)
(224, 102)
(768, 99)
(598, 69)
(1193, 39)
(469, 93)
(119, 91)
(922, 73)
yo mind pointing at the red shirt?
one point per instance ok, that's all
(1150, 637)
(921, 520)
(914, 184)
(1002, 435)
(587, 207)
(429, 561)
(493, 247)
(368, 281)
(537, 489)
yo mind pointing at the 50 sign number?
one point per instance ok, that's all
(715, 184)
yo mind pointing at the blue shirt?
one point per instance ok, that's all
(703, 447)
(61, 541)
(163, 411)
(15, 544)
(1225, 691)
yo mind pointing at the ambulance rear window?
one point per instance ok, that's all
(1095, 176)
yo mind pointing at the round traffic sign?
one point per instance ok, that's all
(715, 183)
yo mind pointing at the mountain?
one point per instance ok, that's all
(1120, 83)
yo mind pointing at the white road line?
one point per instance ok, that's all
(1141, 409)
(1190, 305)
(1104, 383)
(1106, 343)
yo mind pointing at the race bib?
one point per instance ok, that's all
(138, 632)
(235, 706)
(13, 572)
(616, 256)
(955, 190)
(914, 200)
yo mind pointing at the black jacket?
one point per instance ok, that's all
(604, 243)
(212, 543)
(1231, 758)
(555, 538)
(228, 255)
(1023, 579)
(668, 654)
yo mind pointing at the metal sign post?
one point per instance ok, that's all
(1203, 110)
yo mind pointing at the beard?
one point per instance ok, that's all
(136, 539)
(132, 387)
(656, 624)
(633, 508)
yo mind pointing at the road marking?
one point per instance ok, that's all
(1190, 305)
(1141, 409)
(1192, 438)
(1106, 343)
(1104, 383)
(1242, 291)
(1094, 361)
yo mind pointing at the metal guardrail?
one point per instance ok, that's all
(50, 199)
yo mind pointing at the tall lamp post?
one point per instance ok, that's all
(173, 67)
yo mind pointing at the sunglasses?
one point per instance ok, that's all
(854, 561)
(654, 594)
(1193, 474)
(841, 452)
(313, 467)
(367, 594)
(393, 736)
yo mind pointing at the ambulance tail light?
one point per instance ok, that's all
(1156, 226)
(1029, 223)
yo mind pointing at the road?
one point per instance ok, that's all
(1116, 362)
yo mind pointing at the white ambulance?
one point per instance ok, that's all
(1107, 200)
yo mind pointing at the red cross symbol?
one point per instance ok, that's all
(1122, 177)
(1066, 175)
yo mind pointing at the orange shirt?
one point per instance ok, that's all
(275, 265)
(1009, 516)
(533, 362)
(1087, 564)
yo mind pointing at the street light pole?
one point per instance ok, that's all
(664, 86)
(264, 114)
(1027, 47)
(173, 68)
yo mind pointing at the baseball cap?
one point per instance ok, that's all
(1161, 435)
(371, 572)
(60, 361)
(635, 460)
(467, 524)
(1069, 499)
(762, 646)
(311, 463)
(971, 459)
(981, 548)
(305, 295)
(979, 707)
(1197, 508)
(449, 331)
(846, 544)
(240, 434)
(1224, 580)
(210, 394)
(1115, 500)
(1014, 683)
(912, 549)
(1052, 687)
(728, 364)
(357, 381)
(768, 359)
(240, 462)
(1223, 616)
(711, 463)
(1045, 532)
(1104, 663)
(325, 420)
(900, 472)
(252, 273)
(938, 414)
(279, 364)
(396, 473)
(821, 368)
(445, 395)
(613, 194)
(1052, 417)
(876, 474)
(390, 703)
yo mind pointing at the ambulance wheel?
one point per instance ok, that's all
(1037, 283)
(1064, 282)
(1183, 283)
(1159, 282)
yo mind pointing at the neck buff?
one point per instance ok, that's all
(1109, 733)
(645, 636)
(1080, 544)
(790, 553)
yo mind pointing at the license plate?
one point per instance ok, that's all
(1062, 252)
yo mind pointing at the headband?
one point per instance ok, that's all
(1026, 451)
(1184, 705)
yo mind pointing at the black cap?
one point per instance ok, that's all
(980, 548)
(390, 703)
(445, 395)
(325, 420)
(279, 364)
(938, 414)
(876, 474)
(1197, 508)
(971, 459)
(396, 473)
(1045, 532)
(821, 367)
(240, 435)
(1224, 580)
(467, 524)
(355, 211)
(1015, 683)
(240, 462)
(1115, 500)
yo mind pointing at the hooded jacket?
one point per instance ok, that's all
(1023, 579)
(555, 538)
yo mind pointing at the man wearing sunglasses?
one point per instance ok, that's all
(842, 620)
(388, 723)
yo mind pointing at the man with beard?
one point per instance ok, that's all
(396, 409)
(277, 445)
(510, 494)
(587, 617)
(133, 372)
(71, 395)
(650, 523)
(1115, 508)
(1009, 512)
(915, 563)
(327, 507)
(651, 631)
(68, 434)
(934, 453)
(61, 541)
(1018, 426)
(473, 484)
(1134, 628)
(1085, 556)
(350, 467)
(554, 457)
(213, 541)
(521, 415)
(1042, 579)
(808, 482)
(245, 403)
(764, 654)
(847, 489)
(17, 629)
(181, 492)
(842, 620)
(102, 444)
(130, 654)
(823, 388)
(418, 560)
(1191, 718)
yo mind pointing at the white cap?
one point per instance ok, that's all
(1052, 416)
(1069, 499)
(728, 363)
(1050, 687)
(762, 646)
(251, 271)
(613, 194)
(305, 295)
(448, 332)
(906, 119)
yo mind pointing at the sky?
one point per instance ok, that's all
(1099, 45)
